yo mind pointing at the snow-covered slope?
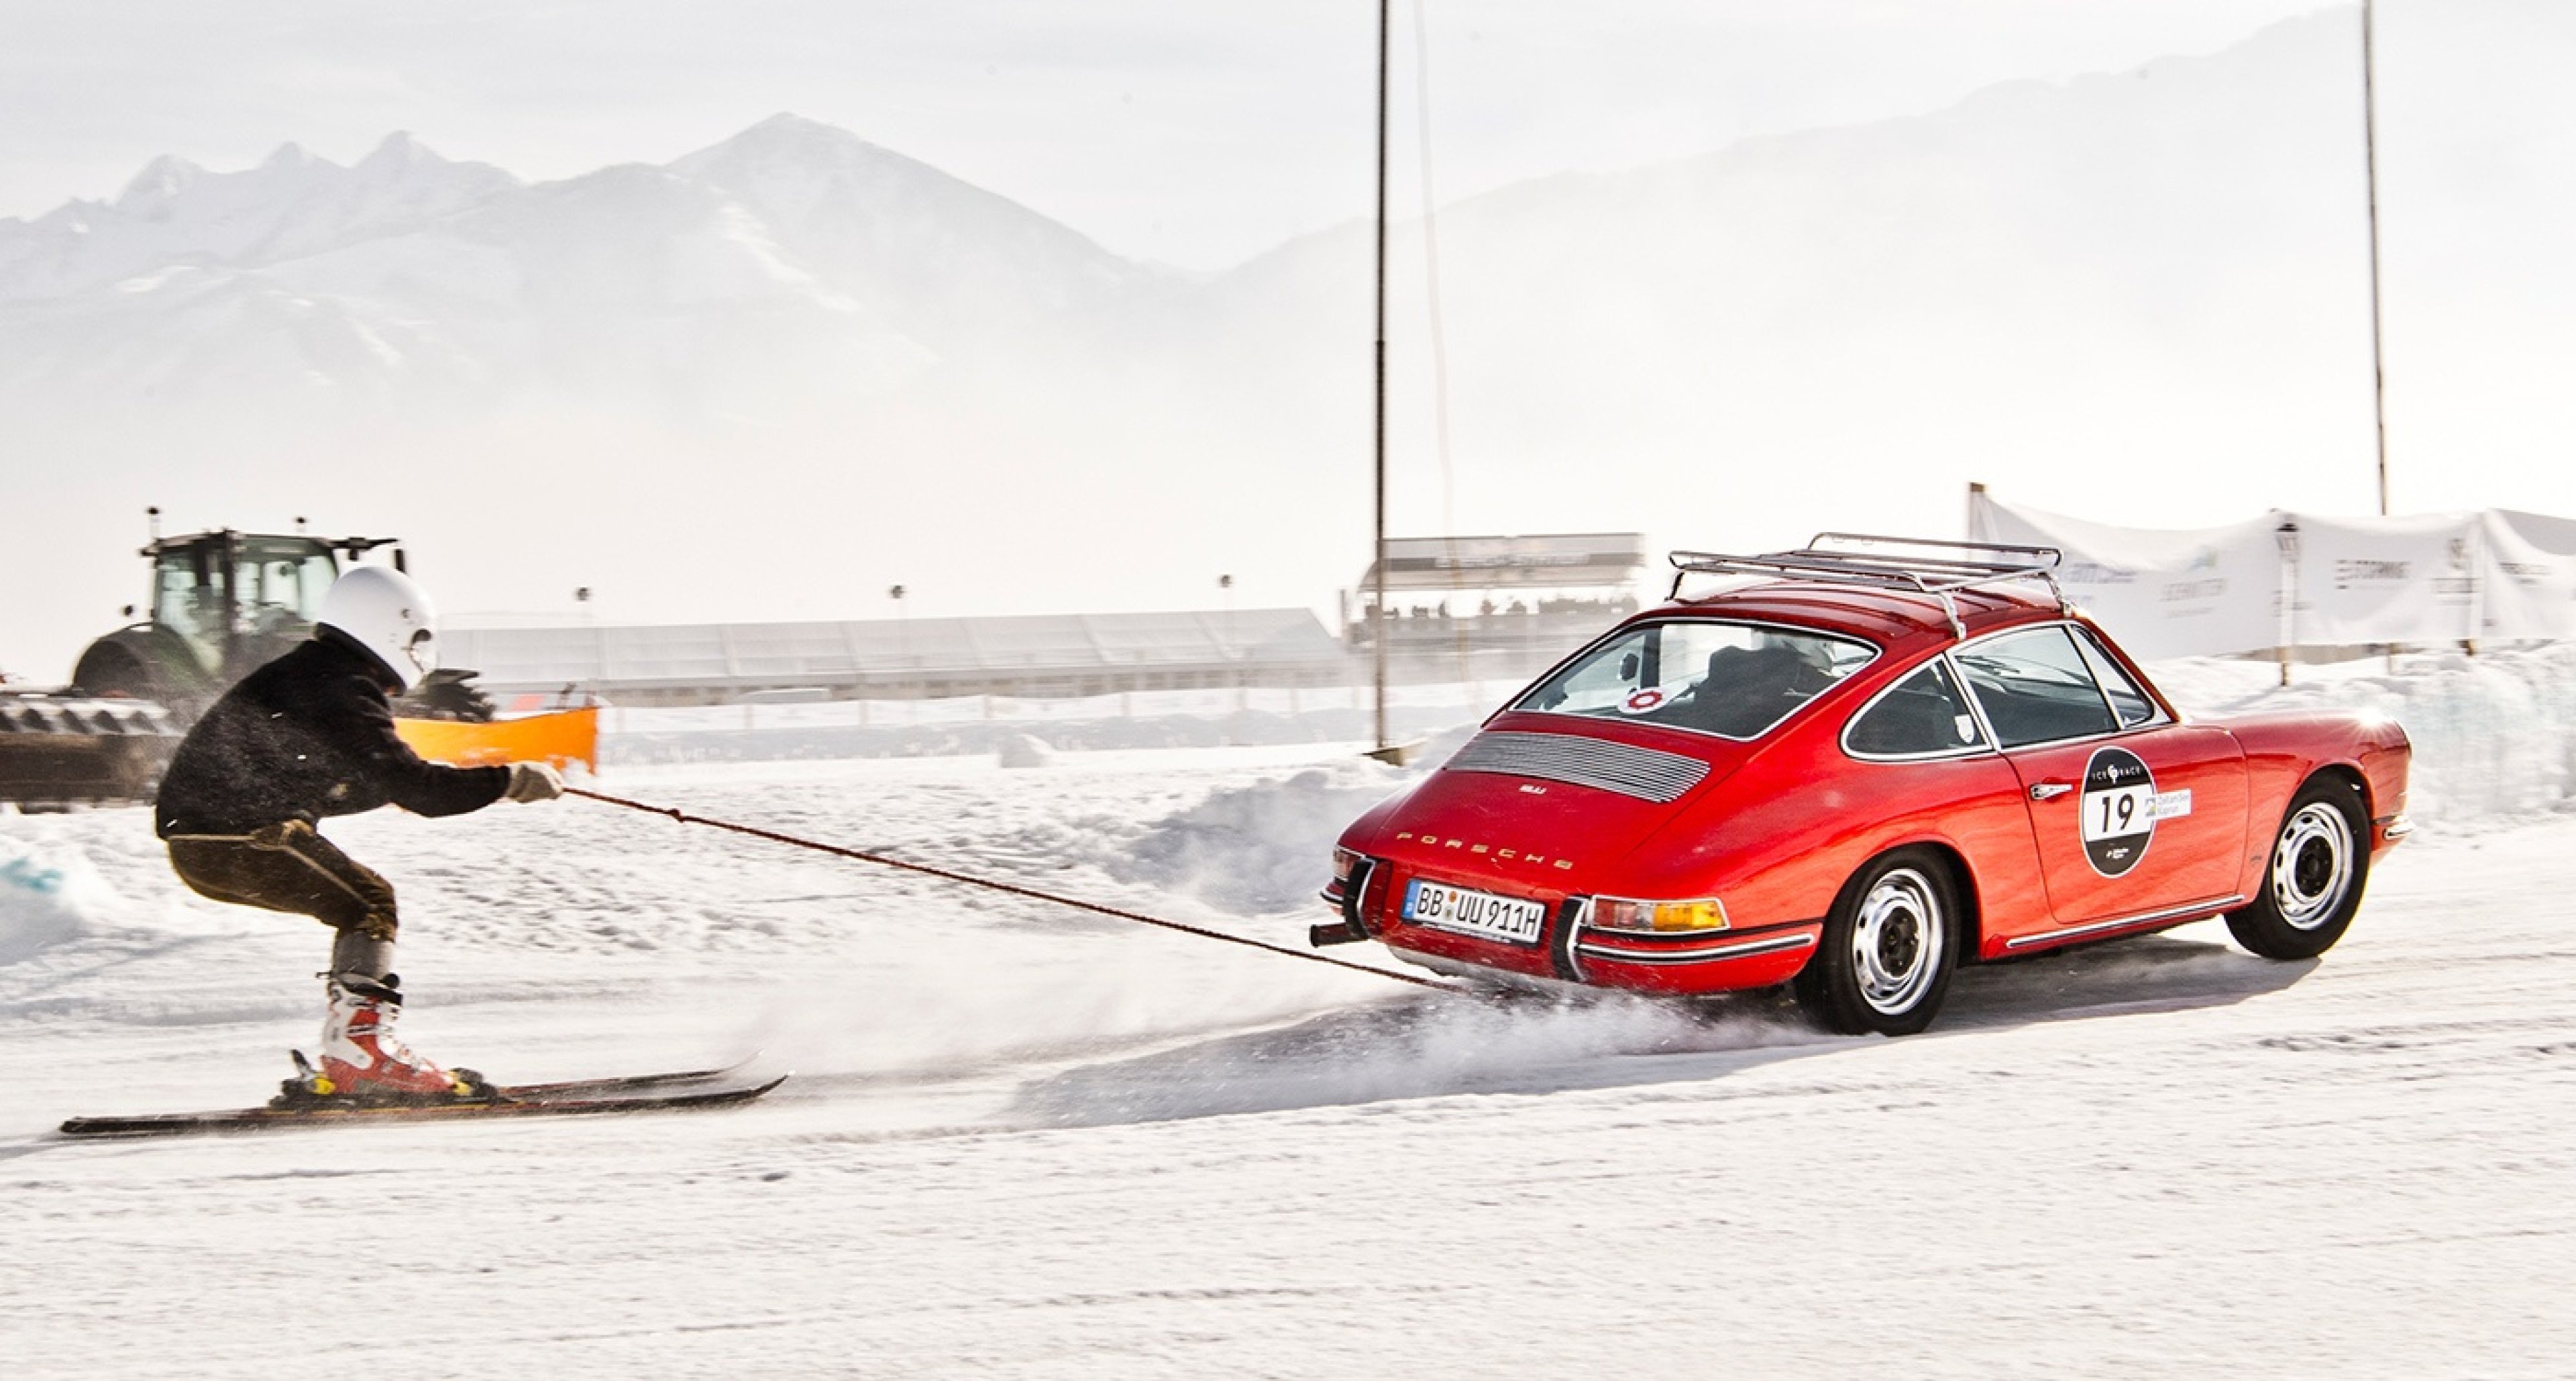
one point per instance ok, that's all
(1023, 1141)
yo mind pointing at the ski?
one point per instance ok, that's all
(627, 1083)
(520, 1101)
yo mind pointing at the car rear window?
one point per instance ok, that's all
(1921, 716)
(1735, 680)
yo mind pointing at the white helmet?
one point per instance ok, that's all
(388, 614)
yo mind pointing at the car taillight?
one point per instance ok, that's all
(1346, 866)
(1344, 861)
(1624, 913)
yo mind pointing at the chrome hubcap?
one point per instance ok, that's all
(2311, 865)
(1897, 941)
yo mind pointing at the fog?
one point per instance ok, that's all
(787, 364)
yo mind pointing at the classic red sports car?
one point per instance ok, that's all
(1873, 761)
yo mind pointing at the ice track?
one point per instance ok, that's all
(1026, 1142)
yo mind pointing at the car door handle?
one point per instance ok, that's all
(2049, 791)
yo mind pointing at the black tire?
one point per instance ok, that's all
(2313, 884)
(1889, 948)
(112, 672)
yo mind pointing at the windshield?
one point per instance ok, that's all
(280, 582)
(254, 608)
(1734, 680)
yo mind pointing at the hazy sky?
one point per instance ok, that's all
(1189, 132)
(1197, 133)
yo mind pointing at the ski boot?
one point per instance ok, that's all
(364, 1065)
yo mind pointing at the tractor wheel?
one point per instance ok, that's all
(110, 671)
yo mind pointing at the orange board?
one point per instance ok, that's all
(562, 738)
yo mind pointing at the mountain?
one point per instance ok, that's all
(175, 213)
(793, 257)
(945, 262)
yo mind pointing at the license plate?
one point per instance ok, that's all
(1473, 913)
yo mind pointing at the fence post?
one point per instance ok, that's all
(2478, 568)
(2287, 535)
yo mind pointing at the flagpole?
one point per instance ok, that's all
(2370, 148)
(1377, 569)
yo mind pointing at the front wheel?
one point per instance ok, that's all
(2320, 859)
(1889, 949)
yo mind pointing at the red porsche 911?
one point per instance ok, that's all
(1855, 767)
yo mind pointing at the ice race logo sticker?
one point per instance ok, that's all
(2119, 820)
(2121, 808)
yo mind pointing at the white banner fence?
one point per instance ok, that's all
(2288, 581)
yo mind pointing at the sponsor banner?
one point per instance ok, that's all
(2530, 589)
(2422, 581)
(2198, 592)
(2386, 580)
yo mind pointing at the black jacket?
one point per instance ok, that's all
(308, 735)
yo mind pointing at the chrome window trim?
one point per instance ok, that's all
(2073, 628)
(1514, 706)
(2165, 714)
(1985, 731)
(2170, 717)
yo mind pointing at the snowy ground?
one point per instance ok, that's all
(1025, 1141)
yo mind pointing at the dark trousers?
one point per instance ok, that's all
(288, 868)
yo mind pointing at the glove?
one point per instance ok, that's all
(534, 781)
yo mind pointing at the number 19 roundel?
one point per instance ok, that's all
(2119, 810)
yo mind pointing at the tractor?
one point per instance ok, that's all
(226, 603)
(222, 604)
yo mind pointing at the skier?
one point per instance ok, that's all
(309, 735)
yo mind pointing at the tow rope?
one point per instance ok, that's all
(1012, 889)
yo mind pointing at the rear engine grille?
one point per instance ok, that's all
(1645, 773)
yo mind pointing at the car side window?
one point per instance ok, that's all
(2035, 687)
(2133, 705)
(1924, 714)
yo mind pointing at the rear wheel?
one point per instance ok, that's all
(2320, 860)
(113, 672)
(1889, 948)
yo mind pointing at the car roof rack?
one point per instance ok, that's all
(1923, 565)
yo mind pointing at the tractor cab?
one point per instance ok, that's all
(222, 603)
(236, 600)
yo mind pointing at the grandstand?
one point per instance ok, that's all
(1028, 655)
(1464, 607)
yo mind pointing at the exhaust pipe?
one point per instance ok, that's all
(1345, 933)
